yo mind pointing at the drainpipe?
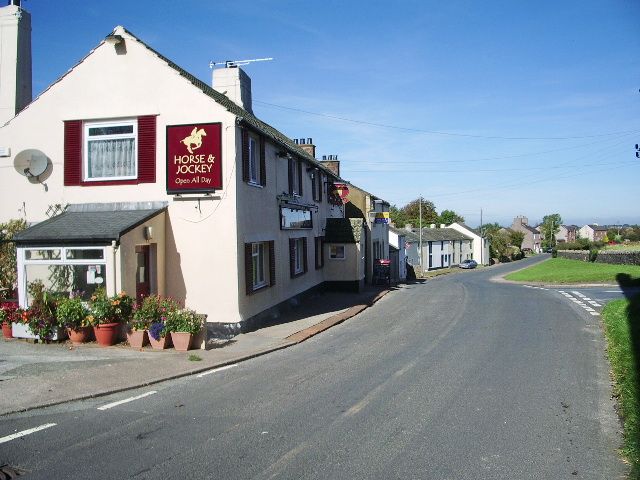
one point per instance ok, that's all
(114, 250)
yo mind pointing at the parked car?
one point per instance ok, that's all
(468, 264)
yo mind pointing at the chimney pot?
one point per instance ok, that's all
(295, 140)
(310, 141)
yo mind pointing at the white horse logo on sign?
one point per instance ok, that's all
(194, 139)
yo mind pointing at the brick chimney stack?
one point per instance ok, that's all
(307, 145)
(331, 162)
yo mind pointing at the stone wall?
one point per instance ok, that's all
(574, 254)
(604, 256)
(618, 257)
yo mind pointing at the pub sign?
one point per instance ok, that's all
(194, 158)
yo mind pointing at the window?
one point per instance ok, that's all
(295, 177)
(317, 185)
(260, 266)
(295, 218)
(319, 244)
(110, 150)
(297, 256)
(63, 269)
(336, 252)
(258, 260)
(253, 159)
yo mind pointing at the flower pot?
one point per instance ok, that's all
(137, 338)
(181, 341)
(106, 333)
(79, 335)
(22, 330)
(160, 344)
(7, 330)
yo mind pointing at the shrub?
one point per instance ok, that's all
(593, 254)
(9, 312)
(41, 314)
(151, 309)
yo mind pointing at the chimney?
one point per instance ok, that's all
(307, 145)
(15, 60)
(235, 84)
(331, 162)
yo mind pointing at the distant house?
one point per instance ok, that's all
(444, 247)
(480, 245)
(398, 243)
(532, 238)
(593, 232)
(567, 233)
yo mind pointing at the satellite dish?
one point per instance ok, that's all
(31, 163)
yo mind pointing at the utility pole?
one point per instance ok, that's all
(420, 224)
(481, 240)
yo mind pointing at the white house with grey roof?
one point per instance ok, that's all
(444, 247)
(164, 184)
(479, 244)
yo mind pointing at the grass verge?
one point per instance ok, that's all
(563, 270)
(622, 328)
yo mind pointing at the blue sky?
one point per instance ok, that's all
(515, 108)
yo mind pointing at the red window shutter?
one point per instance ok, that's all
(245, 155)
(263, 163)
(304, 255)
(292, 257)
(272, 263)
(72, 152)
(248, 268)
(147, 149)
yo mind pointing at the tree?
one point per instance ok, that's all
(8, 267)
(516, 238)
(412, 212)
(398, 217)
(449, 216)
(549, 227)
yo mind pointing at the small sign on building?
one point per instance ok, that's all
(194, 158)
(381, 217)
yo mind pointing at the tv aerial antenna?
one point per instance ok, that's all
(237, 63)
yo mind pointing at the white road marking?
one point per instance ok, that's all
(126, 400)
(612, 291)
(595, 304)
(8, 438)
(226, 367)
(594, 313)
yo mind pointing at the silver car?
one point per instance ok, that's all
(468, 264)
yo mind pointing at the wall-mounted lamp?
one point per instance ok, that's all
(148, 233)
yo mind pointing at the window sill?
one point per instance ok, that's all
(259, 289)
(256, 185)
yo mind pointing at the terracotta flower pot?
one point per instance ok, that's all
(79, 335)
(160, 344)
(181, 341)
(6, 330)
(137, 338)
(106, 333)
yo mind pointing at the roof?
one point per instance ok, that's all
(442, 234)
(408, 234)
(531, 229)
(243, 115)
(598, 228)
(343, 230)
(89, 224)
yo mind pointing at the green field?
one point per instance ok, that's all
(624, 247)
(622, 327)
(564, 271)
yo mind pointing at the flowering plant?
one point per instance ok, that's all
(184, 320)
(151, 309)
(106, 309)
(157, 330)
(72, 312)
(41, 314)
(9, 312)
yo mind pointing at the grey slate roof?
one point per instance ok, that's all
(409, 235)
(343, 230)
(442, 234)
(84, 227)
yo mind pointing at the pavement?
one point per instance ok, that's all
(41, 375)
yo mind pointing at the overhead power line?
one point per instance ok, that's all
(436, 132)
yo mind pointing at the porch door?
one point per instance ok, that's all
(143, 283)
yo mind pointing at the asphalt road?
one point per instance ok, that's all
(456, 378)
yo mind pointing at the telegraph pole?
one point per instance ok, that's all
(420, 224)
(481, 240)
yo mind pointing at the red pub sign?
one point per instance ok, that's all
(194, 158)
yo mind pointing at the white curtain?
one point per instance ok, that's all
(112, 158)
